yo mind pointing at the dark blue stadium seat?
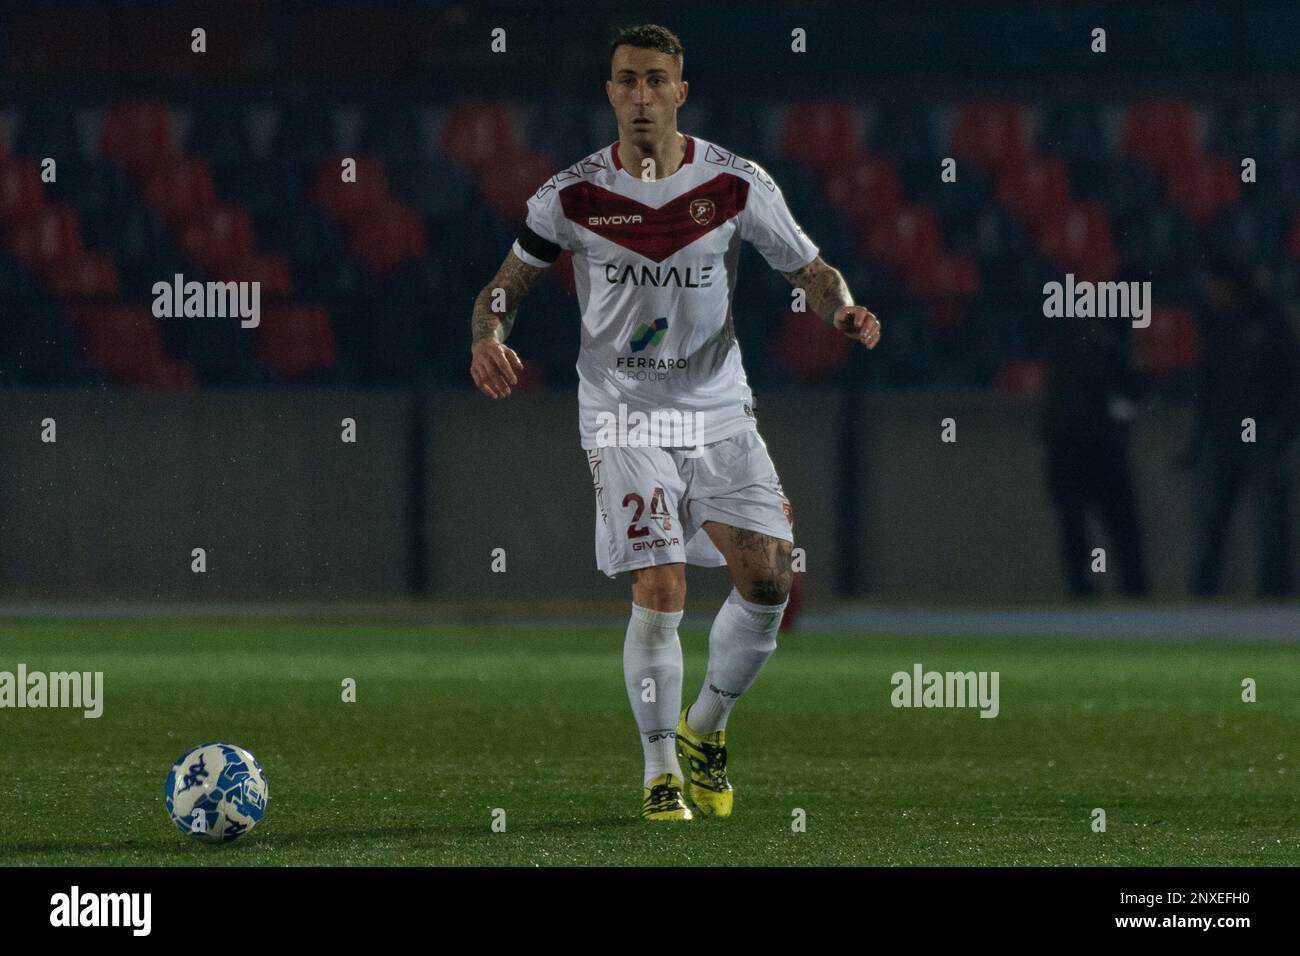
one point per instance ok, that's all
(305, 133)
(221, 133)
(906, 133)
(49, 129)
(1074, 132)
(436, 190)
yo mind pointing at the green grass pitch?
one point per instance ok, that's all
(452, 722)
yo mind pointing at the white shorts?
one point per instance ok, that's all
(651, 503)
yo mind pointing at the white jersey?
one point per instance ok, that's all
(654, 263)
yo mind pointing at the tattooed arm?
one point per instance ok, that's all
(493, 365)
(828, 295)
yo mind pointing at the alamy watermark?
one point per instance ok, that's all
(659, 428)
(208, 300)
(79, 690)
(75, 908)
(922, 688)
(1098, 300)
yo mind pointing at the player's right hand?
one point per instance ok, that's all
(493, 368)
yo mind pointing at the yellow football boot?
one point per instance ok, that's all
(662, 799)
(706, 754)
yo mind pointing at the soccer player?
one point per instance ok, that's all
(654, 222)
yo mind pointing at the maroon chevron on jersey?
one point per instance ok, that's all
(655, 268)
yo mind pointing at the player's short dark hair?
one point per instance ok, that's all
(650, 36)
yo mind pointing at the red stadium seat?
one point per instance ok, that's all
(125, 342)
(52, 234)
(271, 269)
(908, 241)
(809, 348)
(83, 275)
(215, 237)
(293, 342)
(866, 190)
(21, 192)
(350, 202)
(482, 135)
(1171, 343)
(991, 135)
(388, 237)
(1203, 187)
(949, 275)
(507, 187)
(1035, 190)
(141, 137)
(1160, 135)
(1079, 241)
(822, 136)
(181, 190)
(947, 283)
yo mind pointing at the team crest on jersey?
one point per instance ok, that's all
(702, 211)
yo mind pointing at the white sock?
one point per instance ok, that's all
(741, 640)
(653, 652)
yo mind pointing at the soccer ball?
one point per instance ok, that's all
(216, 792)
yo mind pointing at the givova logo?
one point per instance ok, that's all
(648, 336)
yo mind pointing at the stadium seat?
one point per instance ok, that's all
(140, 137)
(1245, 131)
(1079, 241)
(21, 195)
(991, 135)
(507, 188)
(178, 192)
(221, 133)
(387, 237)
(866, 190)
(49, 129)
(908, 241)
(124, 341)
(1034, 190)
(217, 236)
(435, 190)
(304, 134)
(808, 348)
(1076, 131)
(95, 189)
(482, 135)
(1160, 135)
(1202, 187)
(83, 275)
(268, 268)
(349, 202)
(51, 234)
(1170, 344)
(393, 132)
(906, 134)
(822, 135)
(294, 342)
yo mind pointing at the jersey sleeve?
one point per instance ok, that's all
(766, 222)
(544, 232)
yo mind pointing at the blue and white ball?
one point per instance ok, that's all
(216, 792)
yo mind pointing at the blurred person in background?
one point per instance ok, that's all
(1249, 369)
(1090, 398)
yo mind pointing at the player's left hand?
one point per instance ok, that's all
(858, 322)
